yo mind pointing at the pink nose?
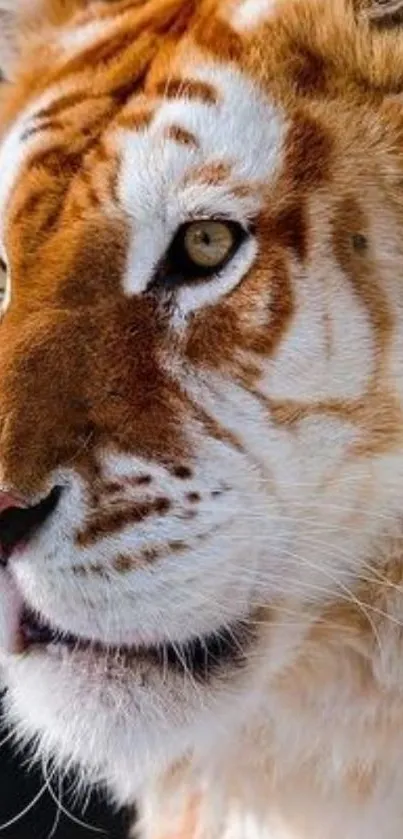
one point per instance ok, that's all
(9, 501)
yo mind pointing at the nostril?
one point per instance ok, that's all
(19, 521)
(9, 501)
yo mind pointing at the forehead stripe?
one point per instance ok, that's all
(180, 135)
(49, 125)
(136, 120)
(187, 89)
(149, 24)
(64, 103)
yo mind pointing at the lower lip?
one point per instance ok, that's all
(11, 607)
(198, 657)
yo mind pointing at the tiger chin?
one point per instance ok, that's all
(201, 408)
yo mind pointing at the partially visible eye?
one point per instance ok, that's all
(3, 278)
(203, 247)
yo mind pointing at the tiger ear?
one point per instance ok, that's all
(384, 12)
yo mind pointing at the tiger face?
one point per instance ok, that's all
(200, 358)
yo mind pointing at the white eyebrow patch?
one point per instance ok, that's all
(242, 132)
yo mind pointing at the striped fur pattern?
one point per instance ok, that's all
(228, 444)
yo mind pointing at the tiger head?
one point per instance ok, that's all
(201, 347)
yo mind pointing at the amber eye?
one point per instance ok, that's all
(208, 244)
(201, 248)
(3, 278)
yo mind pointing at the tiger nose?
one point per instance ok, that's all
(10, 501)
(20, 520)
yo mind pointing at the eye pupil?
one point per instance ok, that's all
(200, 249)
(208, 245)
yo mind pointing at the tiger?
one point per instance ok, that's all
(201, 409)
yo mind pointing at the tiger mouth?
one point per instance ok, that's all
(198, 657)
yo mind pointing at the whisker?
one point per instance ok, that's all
(70, 816)
(7, 738)
(58, 810)
(15, 819)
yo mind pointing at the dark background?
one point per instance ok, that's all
(18, 788)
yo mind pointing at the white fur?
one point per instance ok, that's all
(15, 150)
(81, 37)
(17, 6)
(318, 360)
(11, 13)
(247, 15)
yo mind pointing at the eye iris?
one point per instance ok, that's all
(209, 243)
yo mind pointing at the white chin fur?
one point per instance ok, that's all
(121, 726)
